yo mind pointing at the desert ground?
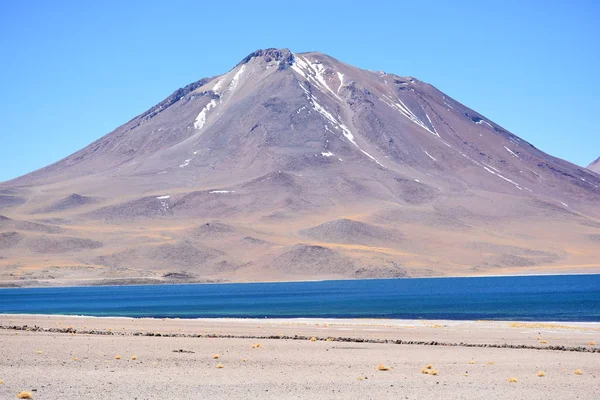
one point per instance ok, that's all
(59, 357)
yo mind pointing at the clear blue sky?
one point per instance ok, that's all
(72, 71)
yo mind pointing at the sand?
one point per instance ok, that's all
(55, 365)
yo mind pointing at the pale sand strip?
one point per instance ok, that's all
(293, 368)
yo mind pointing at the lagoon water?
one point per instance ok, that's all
(524, 298)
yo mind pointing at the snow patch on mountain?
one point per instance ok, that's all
(201, 118)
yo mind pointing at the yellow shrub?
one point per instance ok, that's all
(25, 395)
(382, 367)
(578, 372)
(541, 373)
(513, 380)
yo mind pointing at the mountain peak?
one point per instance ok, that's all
(284, 56)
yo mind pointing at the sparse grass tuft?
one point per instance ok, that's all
(133, 358)
(1, 382)
(543, 341)
(75, 359)
(215, 356)
(382, 367)
(471, 362)
(220, 366)
(244, 360)
(578, 372)
(513, 380)
(25, 395)
(38, 352)
(313, 339)
(429, 370)
(541, 373)
(490, 363)
(117, 357)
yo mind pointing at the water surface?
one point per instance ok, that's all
(524, 298)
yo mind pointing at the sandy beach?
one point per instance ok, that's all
(59, 357)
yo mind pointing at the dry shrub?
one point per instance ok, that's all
(1, 382)
(578, 372)
(427, 369)
(360, 378)
(220, 366)
(38, 352)
(133, 358)
(513, 380)
(543, 341)
(215, 356)
(117, 357)
(382, 367)
(25, 395)
(490, 363)
(330, 339)
(541, 373)
(313, 339)
(75, 359)
(591, 343)
(258, 345)
(471, 362)
(244, 360)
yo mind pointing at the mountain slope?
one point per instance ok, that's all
(308, 162)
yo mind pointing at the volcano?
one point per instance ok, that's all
(296, 166)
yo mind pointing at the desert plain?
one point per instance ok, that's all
(67, 357)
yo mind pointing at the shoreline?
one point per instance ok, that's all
(159, 281)
(309, 320)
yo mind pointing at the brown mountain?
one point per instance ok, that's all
(595, 166)
(298, 166)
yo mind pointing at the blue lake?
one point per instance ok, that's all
(525, 298)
